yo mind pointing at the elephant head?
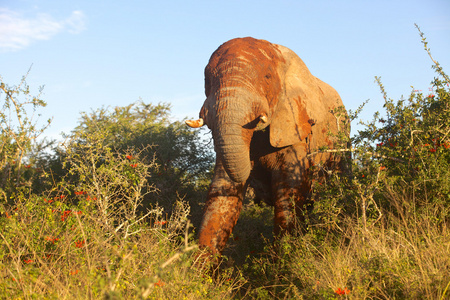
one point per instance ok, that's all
(254, 85)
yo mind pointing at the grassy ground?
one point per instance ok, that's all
(48, 253)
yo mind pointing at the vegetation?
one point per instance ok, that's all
(108, 213)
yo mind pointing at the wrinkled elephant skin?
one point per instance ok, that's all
(267, 113)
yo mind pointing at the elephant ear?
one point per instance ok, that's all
(289, 123)
(295, 113)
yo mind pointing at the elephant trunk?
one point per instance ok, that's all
(234, 152)
(232, 140)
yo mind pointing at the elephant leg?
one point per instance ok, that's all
(221, 212)
(290, 206)
(291, 188)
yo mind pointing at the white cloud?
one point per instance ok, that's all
(18, 32)
(76, 23)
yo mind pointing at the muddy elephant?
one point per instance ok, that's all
(268, 117)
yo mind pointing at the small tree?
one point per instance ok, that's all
(183, 161)
(412, 142)
(19, 133)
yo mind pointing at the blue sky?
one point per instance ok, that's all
(90, 54)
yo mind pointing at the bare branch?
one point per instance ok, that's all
(355, 150)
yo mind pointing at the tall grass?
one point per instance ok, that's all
(95, 240)
(405, 255)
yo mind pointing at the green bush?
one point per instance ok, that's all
(182, 160)
(91, 241)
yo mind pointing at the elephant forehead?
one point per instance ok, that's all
(246, 49)
(246, 62)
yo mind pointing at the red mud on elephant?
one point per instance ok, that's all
(267, 114)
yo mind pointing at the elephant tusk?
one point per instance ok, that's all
(195, 123)
(263, 118)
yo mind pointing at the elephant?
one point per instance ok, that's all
(268, 116)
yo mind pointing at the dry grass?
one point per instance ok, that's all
(45, 257)
(406, 255)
